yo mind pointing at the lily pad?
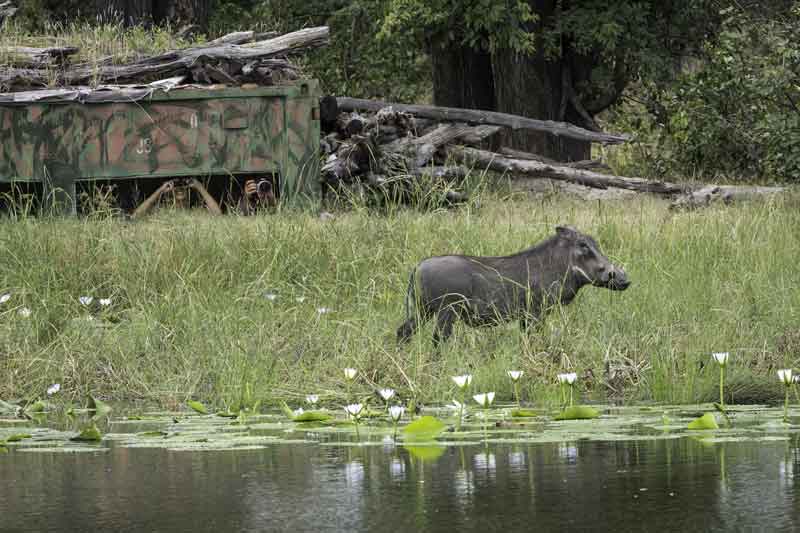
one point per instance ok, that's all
(197, 407)
(89, 434)
(312, 416)
(706, 421)
(18, 437)
(523, 413)
(36, 407)
(577, 412)
(152, 434)
(423, 428)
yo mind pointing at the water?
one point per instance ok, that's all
(679, 484)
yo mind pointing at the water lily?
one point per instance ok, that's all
(722, 360)
(567, 379)
(5, 297)
(25, 312)
(105, 302)
(462, 382)
(300, 299)
(312, 399)
(515, 375)
(396, 412)
(271, 296)
(484, 400)
(323, 310)
(786, 378)
(386, 394)
(354, 411)
(85, 300)
(299, 411)
(350, 373)
(54, 388)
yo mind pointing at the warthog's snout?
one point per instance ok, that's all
(617, 279)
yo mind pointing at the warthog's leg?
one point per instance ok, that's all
(407, 330)
(444, 326)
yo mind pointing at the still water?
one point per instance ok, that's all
(679, 484)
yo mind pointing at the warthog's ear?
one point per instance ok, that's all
(567, 231)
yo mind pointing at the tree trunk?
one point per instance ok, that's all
(462, 77)
(534, 86)
(133, 12)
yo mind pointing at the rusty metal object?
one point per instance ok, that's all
(62, 136)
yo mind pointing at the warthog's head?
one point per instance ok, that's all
(588, 262)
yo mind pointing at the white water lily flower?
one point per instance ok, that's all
(455, 405)
(350, 373)
(323, 310)
(396, 412)
(354, 410)
(462, 382)
(386, 394)
(721, 358)
(312, 399)
(300, 299)
(299, 411)
(85, 300)
(515, 375)
(25, 312)
(54, 388)
(485, 400)
(568, 378)
(271, 296)
(796, 378)
(105, 302)
(5, 297)
(785, 376)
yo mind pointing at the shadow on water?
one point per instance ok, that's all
(681, 484)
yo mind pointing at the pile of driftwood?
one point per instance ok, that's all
(235, 59)
(397, 149)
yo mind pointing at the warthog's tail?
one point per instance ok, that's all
(409, 327)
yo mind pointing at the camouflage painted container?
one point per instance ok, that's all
(183, 132)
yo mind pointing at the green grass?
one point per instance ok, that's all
(189, 317)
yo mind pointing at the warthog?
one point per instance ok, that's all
(486, 291)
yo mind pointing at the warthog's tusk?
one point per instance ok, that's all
(576, 268)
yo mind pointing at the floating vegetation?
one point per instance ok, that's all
(523, 413)
(707, 421)
(98, 407)
(425, 428)
(89, 434)
(197, 407)
(577, 412)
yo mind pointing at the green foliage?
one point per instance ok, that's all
(88, 434)
(734, 109)
(523, 413)
(479, 24)
(99, 407)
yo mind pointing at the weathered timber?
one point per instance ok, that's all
(501, 163)
(36, 57)
(476, 116)
(182, 62)
(479, 134)
(419, 151)
(586, 164)
(726, 194)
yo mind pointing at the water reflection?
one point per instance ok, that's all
(580, 485)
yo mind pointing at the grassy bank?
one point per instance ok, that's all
(190, 317)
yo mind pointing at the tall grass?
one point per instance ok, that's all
(190, 316)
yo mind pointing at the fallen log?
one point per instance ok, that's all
(501, 163)
(476, 116)
(727, 194)
(586, 164)
(36, 57)
(261, 58)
